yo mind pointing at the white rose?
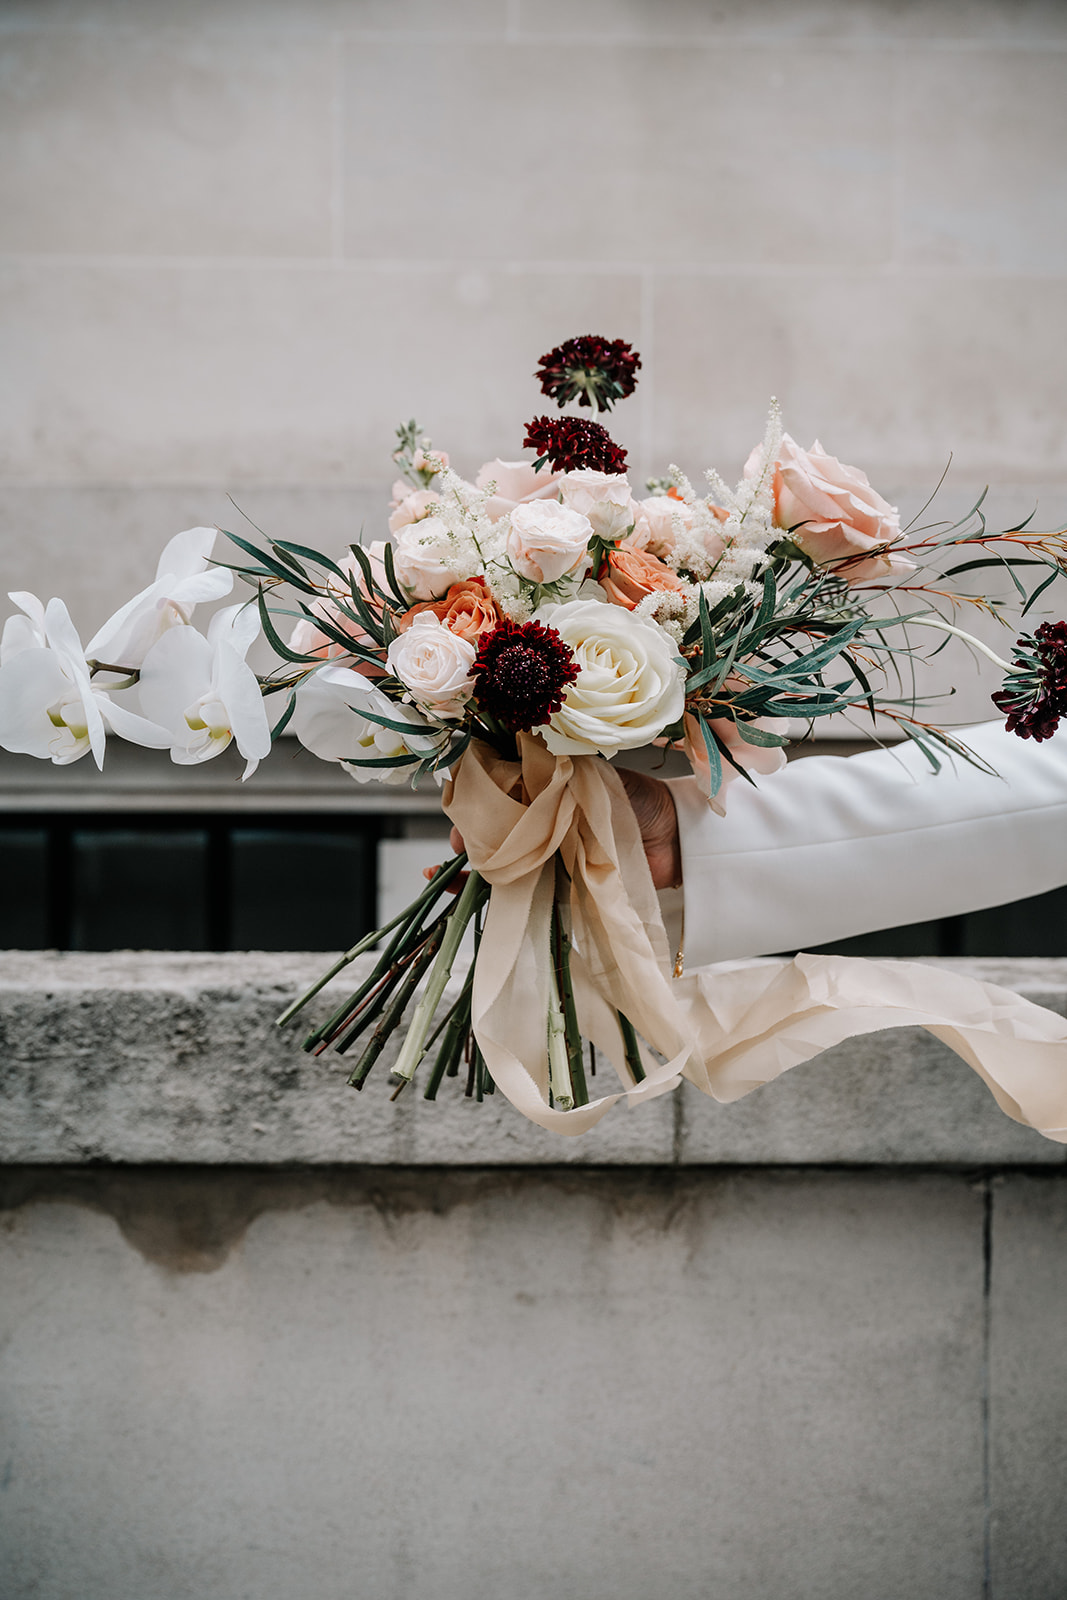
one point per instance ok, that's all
(435, 665)
(630, 684)
(603, 497)
(547, 541)
(421, 557)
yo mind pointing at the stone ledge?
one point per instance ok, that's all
(144, 1057)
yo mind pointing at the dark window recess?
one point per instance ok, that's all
(1034, 927)
(216, 883)
(24, 921)
(309, 883)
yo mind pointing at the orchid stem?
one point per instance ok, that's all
(946, 627)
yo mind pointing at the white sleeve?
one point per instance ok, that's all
(834, 846)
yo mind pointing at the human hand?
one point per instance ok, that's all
(653, 806)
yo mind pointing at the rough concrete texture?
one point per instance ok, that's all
(175, 1058)
(429, 1387)
(1028, 1389)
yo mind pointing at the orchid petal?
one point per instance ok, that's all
(186, 554)
(19, 634)
(128, 725)
(33, 608)
(236, 626)
(30, 683)
(238, 689)
(175, 673)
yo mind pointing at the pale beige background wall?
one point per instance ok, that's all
(240, 240)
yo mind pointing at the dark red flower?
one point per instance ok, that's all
(521, 672)
(590, 370)
(569, 443)
(1034, 695)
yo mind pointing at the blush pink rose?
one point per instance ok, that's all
(312, 641)
(516, 483)
(411, 505)
(762, 759)
(842, 517)
(654, 526)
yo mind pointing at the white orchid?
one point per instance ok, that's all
(203, 691)
(183, 580)
(329, 722)
(49, 706)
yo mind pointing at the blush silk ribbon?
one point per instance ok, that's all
(728, 1029)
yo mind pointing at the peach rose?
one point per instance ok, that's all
(516, 483)
(628, 575)
(468, 609)
(842, 517)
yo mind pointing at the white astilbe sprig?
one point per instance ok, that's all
(674, 612)
(475, 542)
(694, 536)
(749, 529)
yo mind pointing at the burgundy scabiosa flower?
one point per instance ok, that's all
(570, 443)
(1034, 695)
(591, 370)
(521, 673)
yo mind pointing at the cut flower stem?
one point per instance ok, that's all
(411, 1053)
(438, 883)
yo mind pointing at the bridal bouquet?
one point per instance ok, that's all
(510, 637)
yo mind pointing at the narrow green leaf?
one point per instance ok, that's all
(274, 639)
(761, 736)
(276, 567)
(314, 556)
(711, 745)
(381, 761)
(390, 573)
(1040, 590)
(283, 721)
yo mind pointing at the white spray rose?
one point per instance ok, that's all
(434, 664)
(547, 541)
(421, 558)
(630, 683)
(603, 497)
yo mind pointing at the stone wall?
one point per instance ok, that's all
(240, 241)
(261, 1336)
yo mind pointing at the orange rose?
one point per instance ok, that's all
(468, 609)
(627, 576)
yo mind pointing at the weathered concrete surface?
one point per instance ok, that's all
(175, 1058)
(420, 1387)
(1028, 1389)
